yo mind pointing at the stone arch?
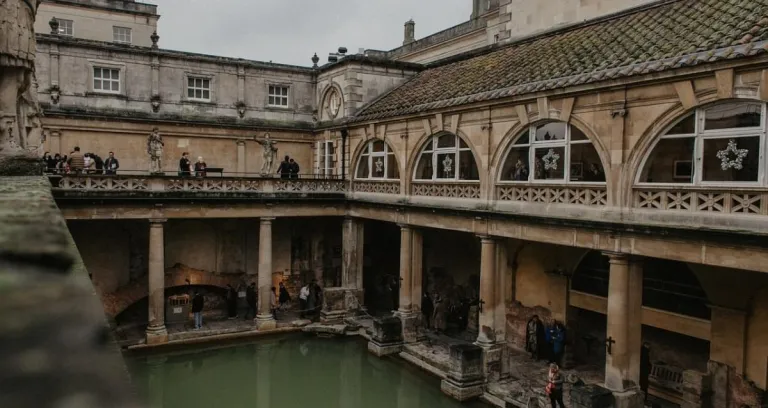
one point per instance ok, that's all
(500, 155)
(118, 301)
(647, 141)
(356, 155)
(413, 157)
(332, 85)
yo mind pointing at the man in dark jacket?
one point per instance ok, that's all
(250, 298)
(285, 168)
(198, 302)
(184, 165)
(111, 164)
(294, 167)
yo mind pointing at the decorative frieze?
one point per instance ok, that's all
(592, 196)
(683, 199)
(449, 190)
(103, 183)
(381, 187)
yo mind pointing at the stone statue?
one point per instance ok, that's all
(269, 153)
(17, 65)
(155, 147)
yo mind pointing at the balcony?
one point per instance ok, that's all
(743, 201)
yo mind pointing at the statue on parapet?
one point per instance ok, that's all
(269, 152)
(18, 111)
(155, 148)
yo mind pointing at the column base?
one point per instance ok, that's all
(157, 335)
(332, 317)
(265, 322)
(412, 332)
(384, 349)
(463, 391)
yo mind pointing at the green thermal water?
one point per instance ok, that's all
(287, 372)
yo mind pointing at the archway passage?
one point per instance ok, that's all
(381, 267)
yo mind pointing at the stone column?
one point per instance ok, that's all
(241, 157)
(417, 273)
(156, 332)
(55, 143)
(352, 254)
(264, 319)
(406, 235)
(318, 253)
(487, 320)
(624, 326)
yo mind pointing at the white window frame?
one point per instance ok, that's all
(369, 155)
(532, 145)
(700, 135)
(324, 155)
(126, 32)
(286, 97)
(456, 149)
(63, 30)
(101, 78)
(201, 88)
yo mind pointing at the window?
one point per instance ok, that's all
(121, 35)
(199, 88)
(106, 80)
(559, 153)
(446, 157)
(325, 162)
(377, 162)
(722, 143)
(66, 27)
(278, 96)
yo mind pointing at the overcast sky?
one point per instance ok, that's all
(290, 31)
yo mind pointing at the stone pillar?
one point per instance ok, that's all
(406, 235)
(487, 321)
(352, 254)
(55, 144)
(318, 253)
(623, 329)
(264, 319)
(156, 332)
(729, 337)
(417, 273)
(241, 157)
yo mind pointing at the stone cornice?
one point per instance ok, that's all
(143, 9)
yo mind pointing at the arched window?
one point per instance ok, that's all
(553, 148)
(718, 144)
(377, 161)
(446, 157)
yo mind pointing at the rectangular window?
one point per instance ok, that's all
(325, 156)
(106, 80)
(199, 88)
(66, 27)
(278, 96)
(121, 35)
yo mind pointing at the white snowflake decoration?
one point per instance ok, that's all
(379, 165)
(550, 160)
(737, 162)
(447, 165)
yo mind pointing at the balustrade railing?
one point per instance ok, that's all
(742, 201)
(382, 187)
(449, 190)
(551, 194)
(668, 377)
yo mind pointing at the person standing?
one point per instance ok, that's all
(98, 163)
(231, 302)
(427, 308)
(284, 170)
(111, 164)
(557, 339)
(440, 318)
(645, 368)
(200, 167)
(294, 169)
(76, 161)
(184, 165)
(534, 337)
(303, 300)
(198, 302)
(273, 302)
(555, 386)
(284, 296)
(250, 298)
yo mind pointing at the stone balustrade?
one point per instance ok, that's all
(592, 195)
(381, 187)
(449, 190)
(742, 201)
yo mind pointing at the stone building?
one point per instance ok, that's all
(604, 167)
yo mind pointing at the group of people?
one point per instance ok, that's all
(452, 310)
(186, 168)
(545, 342)
(288, 168)
(310, 299)
(79, 163)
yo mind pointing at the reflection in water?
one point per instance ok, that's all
(292, 372)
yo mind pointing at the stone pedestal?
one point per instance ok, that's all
(633, 398)
(591, 396)
(492, 359)
(465, 377)
(387, 337)
(411, 327)
(339, 303)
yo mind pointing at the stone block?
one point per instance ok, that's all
(381, 350)
(591, 396)
(629, 399)
(387, 336)
(492, 359)
(411, 327)
(466, 363)
(695, 382)
(461, 391)
(339, 303)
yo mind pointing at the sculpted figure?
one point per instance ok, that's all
(155, 147)
(269, 152)
(17, 65)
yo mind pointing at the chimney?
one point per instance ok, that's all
(410, 32)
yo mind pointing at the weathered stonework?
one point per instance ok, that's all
(591, 396)
(465, 377)
(387, 336)
(338, 304)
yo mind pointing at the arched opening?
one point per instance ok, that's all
(719, 144)
(446, 157)
(552, 152)
(377, 161)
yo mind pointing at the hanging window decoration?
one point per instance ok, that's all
(725, 162)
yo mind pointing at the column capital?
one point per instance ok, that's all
(404, 226)
(240, 142)
(266, 220)
(617, 258)
(157, 222)
(487, 239)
